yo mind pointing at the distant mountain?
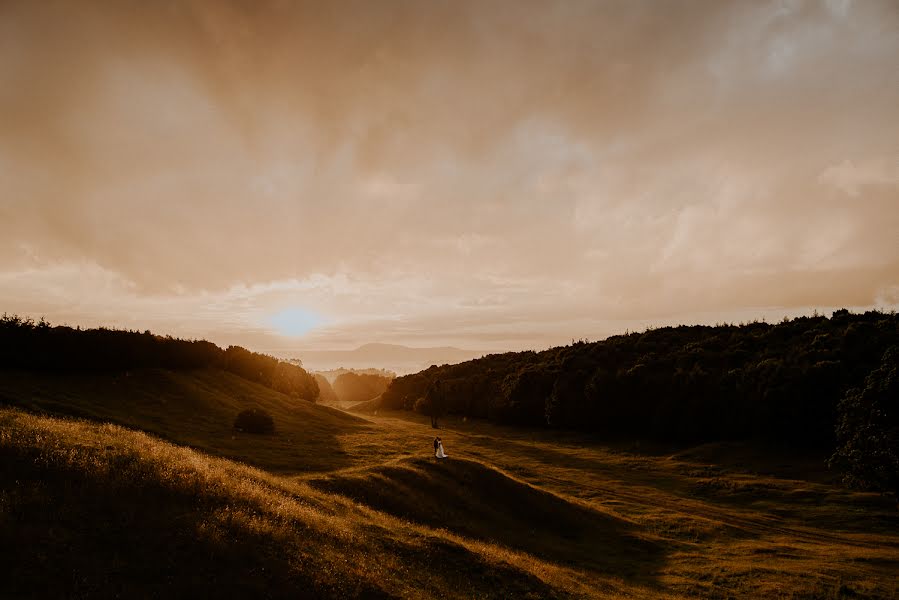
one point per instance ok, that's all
(393, 357)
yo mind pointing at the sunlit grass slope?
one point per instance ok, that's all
(94, 510)
(195, 408)
(480, 502)
(334, 505)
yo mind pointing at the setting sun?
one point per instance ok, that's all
(294, 322)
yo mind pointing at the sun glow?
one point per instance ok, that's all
(295, 322)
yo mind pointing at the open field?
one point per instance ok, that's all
(344, 505)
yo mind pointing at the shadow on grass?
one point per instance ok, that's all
(476, 501)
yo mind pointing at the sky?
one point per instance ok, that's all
(496, 175)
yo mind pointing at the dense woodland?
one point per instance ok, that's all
(868, 429)
(778, 382)
(26, 344)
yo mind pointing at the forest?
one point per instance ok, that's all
(36, 345)
(791, 383)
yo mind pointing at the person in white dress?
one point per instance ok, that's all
(440, 453)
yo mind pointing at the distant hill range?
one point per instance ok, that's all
(392, 357)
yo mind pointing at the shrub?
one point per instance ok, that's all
(255, 420)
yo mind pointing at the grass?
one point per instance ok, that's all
(193, 408)
(334, 505)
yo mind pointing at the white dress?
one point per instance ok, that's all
(440, 452)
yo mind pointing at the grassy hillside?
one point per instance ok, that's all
(195, 408)
(715, 521)
(482, 503)
(335, 505)
(102, 511)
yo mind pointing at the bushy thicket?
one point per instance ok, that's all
(359, 387)
(690, 383)
(26, 344)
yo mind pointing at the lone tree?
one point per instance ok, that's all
(868, 430)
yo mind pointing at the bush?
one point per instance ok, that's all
(255, 420)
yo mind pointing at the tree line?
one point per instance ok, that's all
(778, 382)
(36, 345)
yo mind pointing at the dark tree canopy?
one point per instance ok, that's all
(868, 429)
(779, 382)
(26, 344)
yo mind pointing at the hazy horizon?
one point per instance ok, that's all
(489, 176)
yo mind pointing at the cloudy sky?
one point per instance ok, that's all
(491, 175)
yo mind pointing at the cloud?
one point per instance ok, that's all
(851, 177)
(466, 166)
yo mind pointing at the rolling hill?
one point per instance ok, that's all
(193, 408)
(104, 511)
(136, 485)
